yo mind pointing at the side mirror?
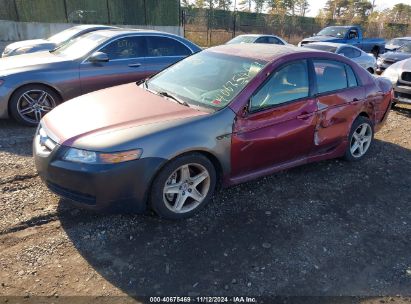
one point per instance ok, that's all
(98, 57)
(245, 110)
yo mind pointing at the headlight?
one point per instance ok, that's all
(91, 157)
(391, 73)
(6, 51)
(22, 50)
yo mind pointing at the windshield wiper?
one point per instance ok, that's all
(168, 95)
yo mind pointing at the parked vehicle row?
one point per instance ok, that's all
(223, 115)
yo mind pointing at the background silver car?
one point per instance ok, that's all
(32, 84)
(367, 61)
(55, 41)
(257, 38)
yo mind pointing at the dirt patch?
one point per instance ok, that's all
(330, 228)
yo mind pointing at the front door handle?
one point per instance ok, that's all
(134, 65)
(354, 100)
(304, 116)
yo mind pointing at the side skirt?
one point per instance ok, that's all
(335, 153)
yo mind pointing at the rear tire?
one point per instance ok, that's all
(30, 103)
(360, 139)
(183, 186)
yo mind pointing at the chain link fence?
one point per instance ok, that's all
(213, 27)
(139, 12)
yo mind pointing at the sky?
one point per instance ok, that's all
(316, 5)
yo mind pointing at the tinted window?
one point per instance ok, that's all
(163, 46)
(125, 48)
(288, 83)
(273, 40)
(356, 53)
(347, 52)
(262, 40)
(352, 80)
(330, 75)
(353, 34)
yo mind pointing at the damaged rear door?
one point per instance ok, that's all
(339, 99)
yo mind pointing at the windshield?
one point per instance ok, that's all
(398, 41)
(207, 79)
(81, 46)
(327, 48)
(64, 36)
(242, 39)
(334, 31)
(406, 48)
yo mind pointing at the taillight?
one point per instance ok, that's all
(392, 94)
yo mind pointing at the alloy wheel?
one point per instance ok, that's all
(34, 104)
(361, 140)
(186, 188)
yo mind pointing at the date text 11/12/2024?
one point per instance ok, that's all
(200, 299)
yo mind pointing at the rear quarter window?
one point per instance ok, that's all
(164, 46)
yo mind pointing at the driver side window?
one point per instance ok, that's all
(125, 48)
(286, 84)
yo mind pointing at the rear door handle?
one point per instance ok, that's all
(354, 100)
(134, 65)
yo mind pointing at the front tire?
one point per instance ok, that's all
(360, 139)
(30, 103)
(183, 186)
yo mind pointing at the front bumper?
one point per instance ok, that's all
(402, 93)
(121, 186)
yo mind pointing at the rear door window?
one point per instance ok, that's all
(262, 40)
(163, 46)
(331, 75)
(273, 40)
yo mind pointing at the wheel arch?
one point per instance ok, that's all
(210, 156)
(54, 89)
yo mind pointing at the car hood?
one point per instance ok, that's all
(396, 56)
(27, 61)
(45, 44)
(111, 110)
(321, 39)
(391, 47)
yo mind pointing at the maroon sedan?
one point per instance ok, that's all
(225, 115)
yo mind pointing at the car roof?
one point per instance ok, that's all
(88, 26)
(256, 35)
(408, 38)
(266, 52)
(337, 45)
(125, 31)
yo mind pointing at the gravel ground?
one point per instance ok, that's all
(326, 229)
